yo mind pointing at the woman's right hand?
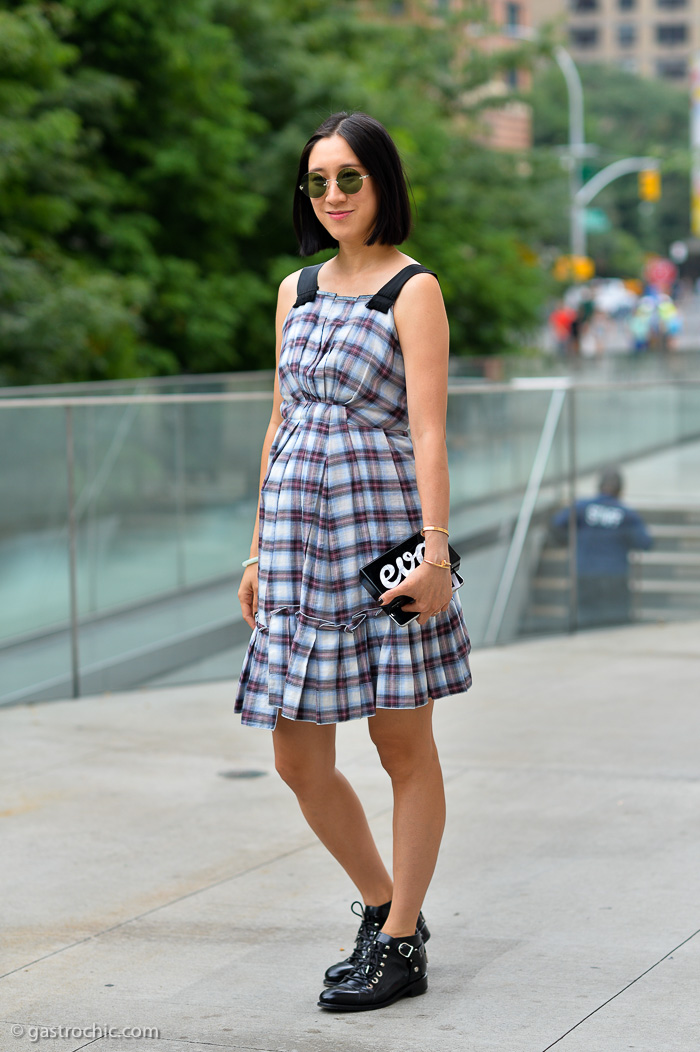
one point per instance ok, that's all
(248, 593)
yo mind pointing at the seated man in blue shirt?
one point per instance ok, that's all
(606, 530)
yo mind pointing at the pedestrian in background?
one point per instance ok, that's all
(560, 321)
(606, 531)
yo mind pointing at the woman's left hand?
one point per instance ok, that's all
(430, 586)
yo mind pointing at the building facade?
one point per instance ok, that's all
(654, 38)
(509, 125)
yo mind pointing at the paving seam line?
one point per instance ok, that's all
(649, 969)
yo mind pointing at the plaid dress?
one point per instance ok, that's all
(339, 489)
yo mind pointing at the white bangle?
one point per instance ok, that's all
(253, 559)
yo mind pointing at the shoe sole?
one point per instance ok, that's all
(413, 990)
(424, 933)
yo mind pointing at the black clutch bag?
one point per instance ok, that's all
(390, 568)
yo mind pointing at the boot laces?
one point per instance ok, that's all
(365, 935)
(373, 969)
(369, 970)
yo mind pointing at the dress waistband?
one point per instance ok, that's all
(340, 414)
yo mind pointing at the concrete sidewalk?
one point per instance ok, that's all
(143, 888)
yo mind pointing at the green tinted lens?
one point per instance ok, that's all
(313, 185)
(349, 181)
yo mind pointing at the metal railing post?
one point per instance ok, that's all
(539, 465)
(72, 559)
(180, 506)
(572, 540)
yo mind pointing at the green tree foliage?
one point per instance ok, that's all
(60, 316)
(173, 156)
(149, 153)
(626, 116)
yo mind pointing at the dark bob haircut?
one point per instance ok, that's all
(374, 147)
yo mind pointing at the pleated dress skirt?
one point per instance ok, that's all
(339, 489)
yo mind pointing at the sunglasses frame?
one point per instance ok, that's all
(327, 183)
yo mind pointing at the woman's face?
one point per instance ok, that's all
(346, 217)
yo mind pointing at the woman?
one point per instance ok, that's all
(362, 351)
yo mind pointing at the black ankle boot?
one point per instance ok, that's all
(394, 968)
(373, 919)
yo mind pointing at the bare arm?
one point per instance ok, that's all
(421, 322)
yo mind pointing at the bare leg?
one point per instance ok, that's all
(406, 747)
(305, 760)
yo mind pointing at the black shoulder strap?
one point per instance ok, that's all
(307, 285)
(385, 298)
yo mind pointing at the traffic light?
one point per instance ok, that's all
(574, 268)
(649, 185)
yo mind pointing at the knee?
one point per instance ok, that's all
(300, 775)
(401, 758)
(394, 761)
(304, 754)
(290, 769)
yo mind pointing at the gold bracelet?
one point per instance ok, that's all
(440, 528)
(444, 565)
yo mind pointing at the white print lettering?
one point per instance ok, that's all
(604, 515)
(404, 564)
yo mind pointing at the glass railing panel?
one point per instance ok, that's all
(688, 410)
(492, 436)
(166, 512)
(34, 578)
(163, 495)
(166, 493)
(223, 446)
(33, 535)
(618, 423)
(127, 464)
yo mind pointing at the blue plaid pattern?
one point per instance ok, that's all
(340, 488)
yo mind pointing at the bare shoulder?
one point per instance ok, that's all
(421, 323)
(288, 285)
(287, 294)
(420, 294)
(424, 284)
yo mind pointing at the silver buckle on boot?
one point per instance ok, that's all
(408, 947)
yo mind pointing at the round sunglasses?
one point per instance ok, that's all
(349, 182)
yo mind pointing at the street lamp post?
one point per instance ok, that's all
(577, 149)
